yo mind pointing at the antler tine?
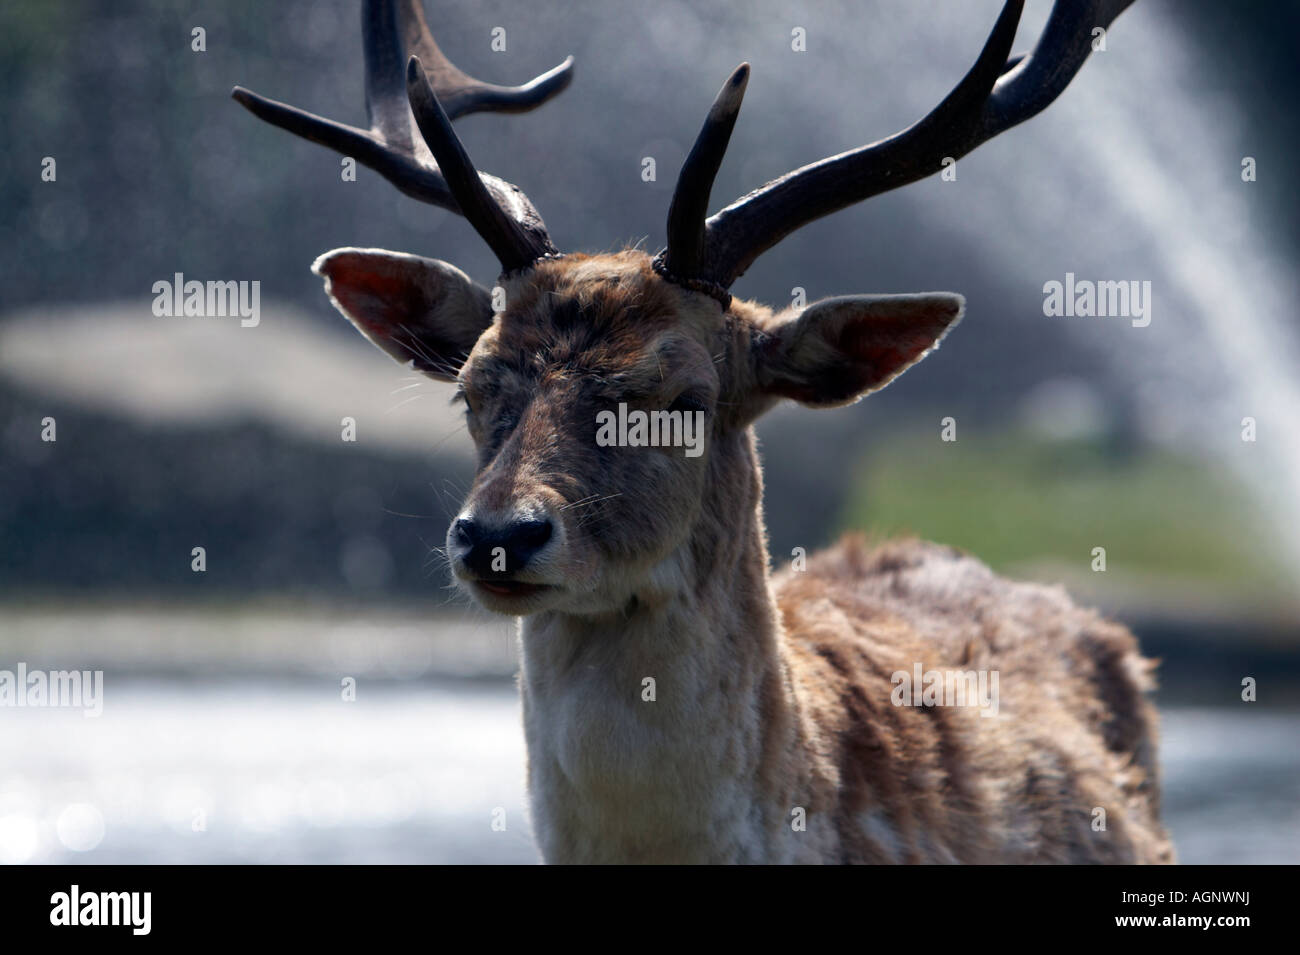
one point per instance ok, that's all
(996, 94)
(690, 203)
(461, 94)
(512, 242)
(394, 31)
(399, 166)
(1032, 82)
(392, 146)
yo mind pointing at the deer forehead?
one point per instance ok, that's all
(607, 320)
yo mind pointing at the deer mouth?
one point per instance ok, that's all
(511, 588)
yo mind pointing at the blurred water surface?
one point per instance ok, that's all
(282, 771)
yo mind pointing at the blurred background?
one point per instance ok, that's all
(224, 735)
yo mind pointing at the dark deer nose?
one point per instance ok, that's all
(499, 551)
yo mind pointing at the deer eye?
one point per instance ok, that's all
(687, 403)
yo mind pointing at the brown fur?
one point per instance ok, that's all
(1078, 733)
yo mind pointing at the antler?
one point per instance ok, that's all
(398, 50)
(995, 95)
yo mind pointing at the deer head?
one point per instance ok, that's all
(556, 520)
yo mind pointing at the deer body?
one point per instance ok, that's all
(679, 704)
(715, 768)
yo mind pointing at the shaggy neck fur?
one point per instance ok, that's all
(614, 777)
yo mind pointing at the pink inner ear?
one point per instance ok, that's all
(888, 344)
(376, 294)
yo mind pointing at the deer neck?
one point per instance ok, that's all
(656, 732)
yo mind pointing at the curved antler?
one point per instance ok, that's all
(500, 219)
(392, 31)
(690, 202)
(995, 95)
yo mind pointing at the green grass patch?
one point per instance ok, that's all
(1013, 500)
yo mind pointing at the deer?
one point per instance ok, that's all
(682, 702)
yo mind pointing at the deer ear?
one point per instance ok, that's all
(420, 311)
(839, 349)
